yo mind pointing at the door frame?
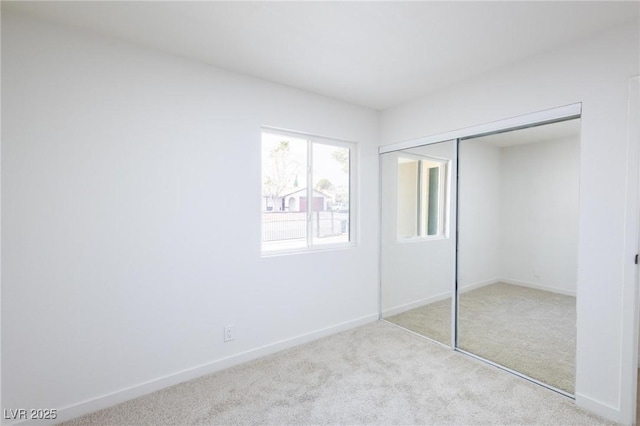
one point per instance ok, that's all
(631, 292)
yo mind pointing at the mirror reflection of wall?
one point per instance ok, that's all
(517, 253)
(418, 252)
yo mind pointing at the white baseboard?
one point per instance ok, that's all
(536, 286)
(539, 287)
(597, 407)
(416, 304)
(476, 285)
(122, 395)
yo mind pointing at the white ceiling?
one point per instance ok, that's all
(374, 54)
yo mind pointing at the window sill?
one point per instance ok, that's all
(301, 250)
(409, 240)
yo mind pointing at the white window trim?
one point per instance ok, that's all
(353, 194)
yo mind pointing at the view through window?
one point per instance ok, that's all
(306, 193)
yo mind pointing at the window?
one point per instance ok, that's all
(421, 196)
(306, 192)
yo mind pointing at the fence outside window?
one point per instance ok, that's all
(279, 226)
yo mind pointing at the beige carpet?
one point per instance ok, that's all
(433, 321)
(527, 330)
(376, 374)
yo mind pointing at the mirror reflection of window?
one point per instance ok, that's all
(421, 196)
(417, 259)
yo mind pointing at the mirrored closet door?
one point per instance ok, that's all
(417, 239)
(517, 250)
(479, 242)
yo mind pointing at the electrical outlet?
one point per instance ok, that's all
(229, 333)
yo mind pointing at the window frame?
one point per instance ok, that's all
(310, 247)
(443, 198)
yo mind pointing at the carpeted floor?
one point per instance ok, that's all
(375, 374)
(432, 320)
(527, 330)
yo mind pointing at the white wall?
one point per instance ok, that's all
(120, 264)
(479, 214)
(539, 214)
(595, 72)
